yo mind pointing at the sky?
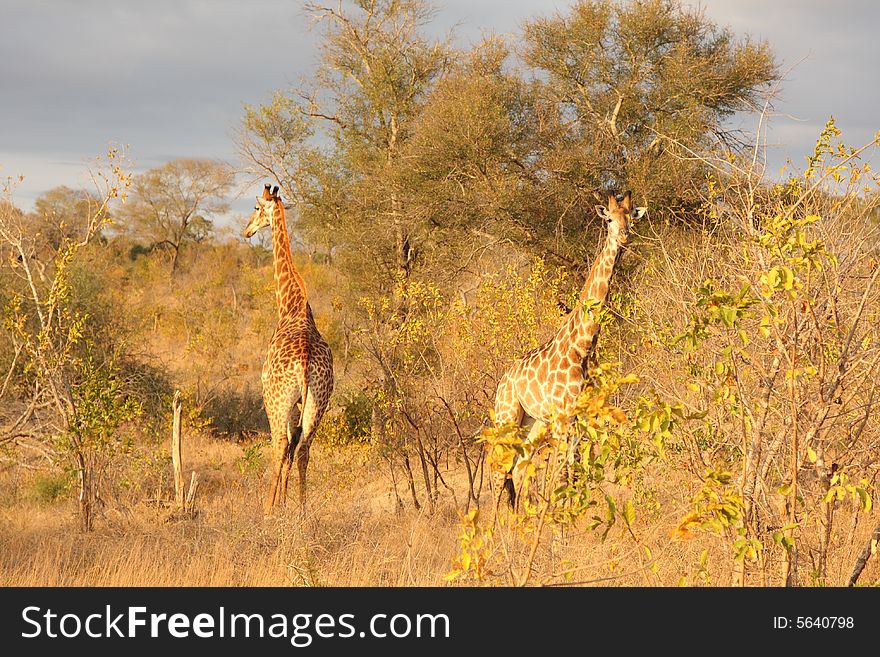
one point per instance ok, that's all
(169, 78)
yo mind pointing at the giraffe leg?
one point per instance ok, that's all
(507, 411)
(316, 404)
(302, 464)
(293, 433)
(518, 472)
(279, 452)
(285, 465)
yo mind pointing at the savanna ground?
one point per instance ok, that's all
(351, 536)
(442, 202)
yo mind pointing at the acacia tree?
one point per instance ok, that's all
(632, 82)
(63, 213)
(429, 145)
(469, 162)
(170, 205)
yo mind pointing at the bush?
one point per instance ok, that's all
(349, 422)
(51, 487)
(253, 459)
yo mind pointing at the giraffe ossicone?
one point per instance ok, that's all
(552, 376)
(298, 369)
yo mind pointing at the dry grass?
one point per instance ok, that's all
(352, 535)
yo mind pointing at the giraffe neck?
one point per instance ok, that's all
(581, 328)
(290, 289)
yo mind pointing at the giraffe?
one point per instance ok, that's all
(299, 363)
(552, 376)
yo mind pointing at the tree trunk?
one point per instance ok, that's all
(86, 491)
(402, 252)
(174, 257)
(177, 451)
(425, 474)
(864, 555)
(398, 502)
(791, 562)
(190, 504)
(410, 479)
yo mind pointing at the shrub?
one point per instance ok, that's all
(50, 487)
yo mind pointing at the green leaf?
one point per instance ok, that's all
(629, 513)
(611, 511)
(728, 315)
(786, 278)
(865, 500)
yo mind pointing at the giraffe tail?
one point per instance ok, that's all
(305, 394)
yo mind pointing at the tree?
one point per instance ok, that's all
(470, 162)
(376, 72)
(63, 398)
(169, 205)
(636, 86)
(63, 213)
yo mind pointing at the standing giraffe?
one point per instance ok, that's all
(299, 363)
(550, 377)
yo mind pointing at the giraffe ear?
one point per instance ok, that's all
(602, 211)
(638, 213)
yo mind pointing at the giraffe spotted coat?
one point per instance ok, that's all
(299, 364)
(552, 376)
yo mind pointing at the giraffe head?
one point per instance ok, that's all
(264, 211)
(619, 216)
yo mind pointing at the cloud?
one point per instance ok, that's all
(827, 51)
(169, 77)
(160, 75)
